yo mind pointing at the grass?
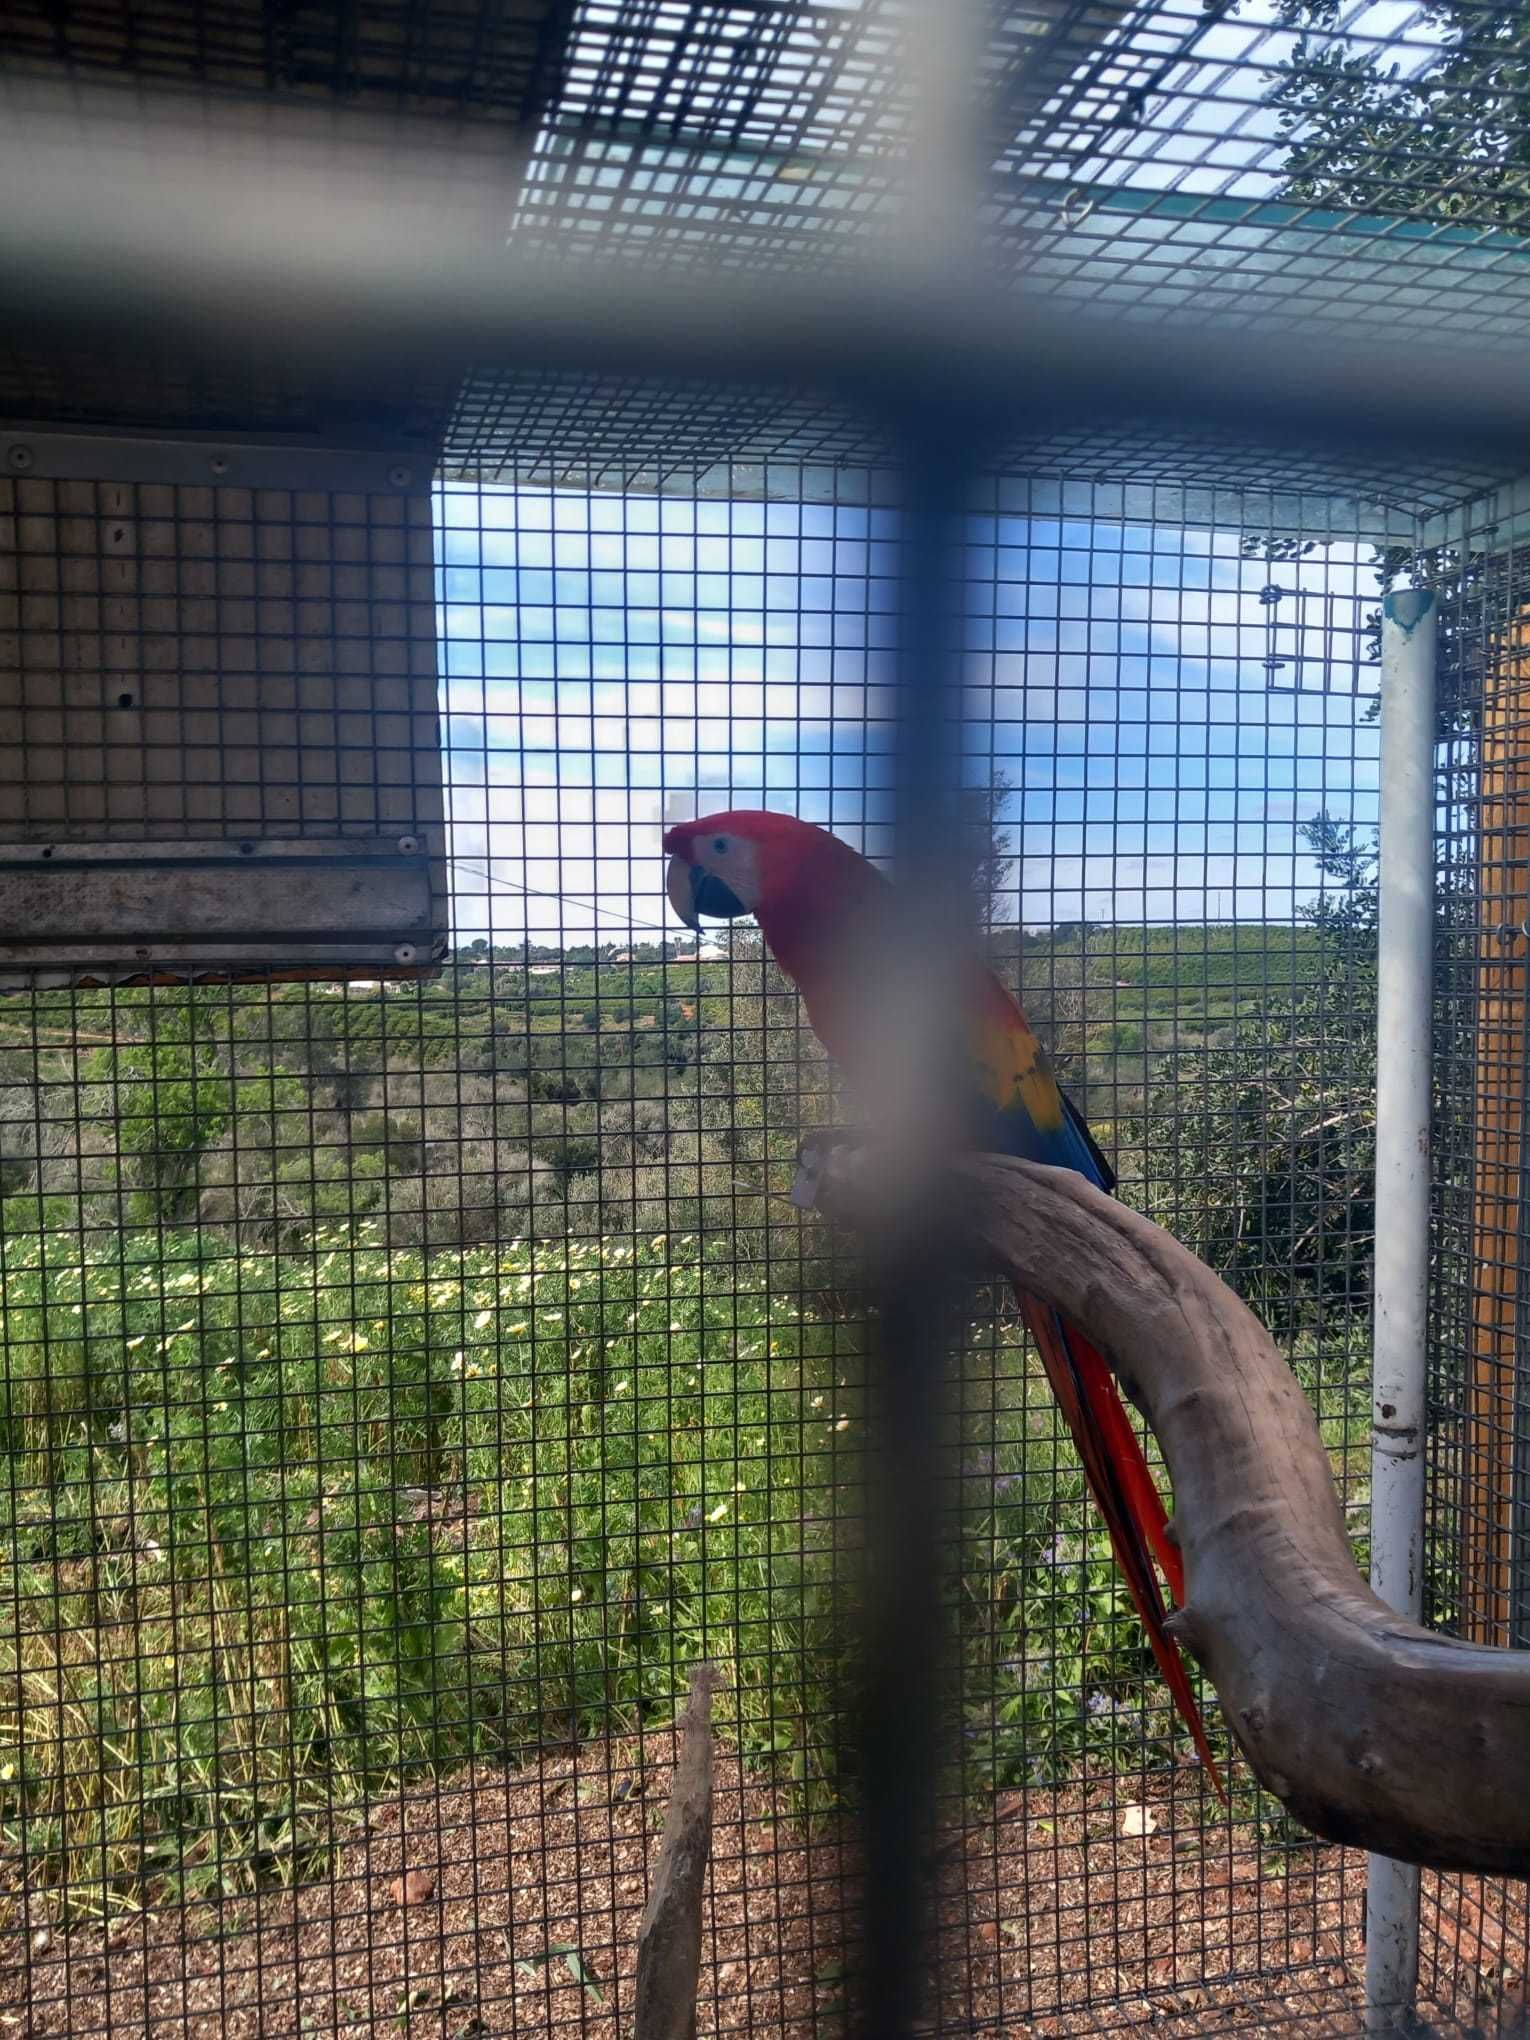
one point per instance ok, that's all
(1192, 971)
(294, 1522)
(288, 1527)
(1115, 1000)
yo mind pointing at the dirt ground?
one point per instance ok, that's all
(509, 1904)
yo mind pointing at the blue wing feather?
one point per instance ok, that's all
(1069, 1145)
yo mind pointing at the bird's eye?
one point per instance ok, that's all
(719, 842)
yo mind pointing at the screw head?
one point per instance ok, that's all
(20, 459)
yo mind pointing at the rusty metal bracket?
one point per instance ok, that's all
(355, 906)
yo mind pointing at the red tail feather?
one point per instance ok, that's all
(1125, 1493)
(1125, 1455)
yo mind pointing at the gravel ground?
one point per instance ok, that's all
(508, 1903)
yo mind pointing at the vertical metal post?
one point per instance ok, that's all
(931, 226)
(1409, 628)
(905, 1613)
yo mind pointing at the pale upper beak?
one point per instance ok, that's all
(694, 892)
(680, 884)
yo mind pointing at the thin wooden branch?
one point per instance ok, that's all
(1370, 1730)
(669, 1939)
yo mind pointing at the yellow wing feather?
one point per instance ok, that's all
(1012, 1064)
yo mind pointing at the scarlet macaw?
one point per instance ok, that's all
(825, 913)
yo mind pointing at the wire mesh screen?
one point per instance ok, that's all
(413, 1371)
(220, 728)
(216, 658)
(1474, 1936)
(408, 1383)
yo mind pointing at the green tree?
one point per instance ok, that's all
(1448, 141)
(987, 848)
(170, 1097)
(1260, 1150)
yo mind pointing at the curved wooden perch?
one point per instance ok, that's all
(1367, 1728)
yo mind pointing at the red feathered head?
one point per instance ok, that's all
(746, 861)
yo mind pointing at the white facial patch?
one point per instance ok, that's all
(735, 862)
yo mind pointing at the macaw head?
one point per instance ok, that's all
(741, 862)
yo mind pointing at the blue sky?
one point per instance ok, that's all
(608, 661)
(612, 660)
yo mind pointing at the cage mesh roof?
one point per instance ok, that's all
(450, 57)
(1134, 163)
(1137, 158)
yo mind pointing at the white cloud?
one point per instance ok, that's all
(1119, 678)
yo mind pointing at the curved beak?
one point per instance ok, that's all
(694, 892)
(680, 884)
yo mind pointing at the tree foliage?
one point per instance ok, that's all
(989, 849)
(1260, 1144)
(1444, 140)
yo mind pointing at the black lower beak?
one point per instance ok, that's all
(710, 895)
(694, 892)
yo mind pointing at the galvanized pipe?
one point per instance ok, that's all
(1409, 629)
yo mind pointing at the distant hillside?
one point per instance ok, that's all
(598, 1090)
(1112, 1000)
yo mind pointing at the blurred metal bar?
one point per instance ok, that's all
(907, 1643)
(307, 260)
(906, 1629)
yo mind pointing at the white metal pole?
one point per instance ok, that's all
(1409, 627)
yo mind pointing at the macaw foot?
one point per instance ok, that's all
(823, 1138)
(813, 1155)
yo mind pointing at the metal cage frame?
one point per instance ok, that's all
(899, 274)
